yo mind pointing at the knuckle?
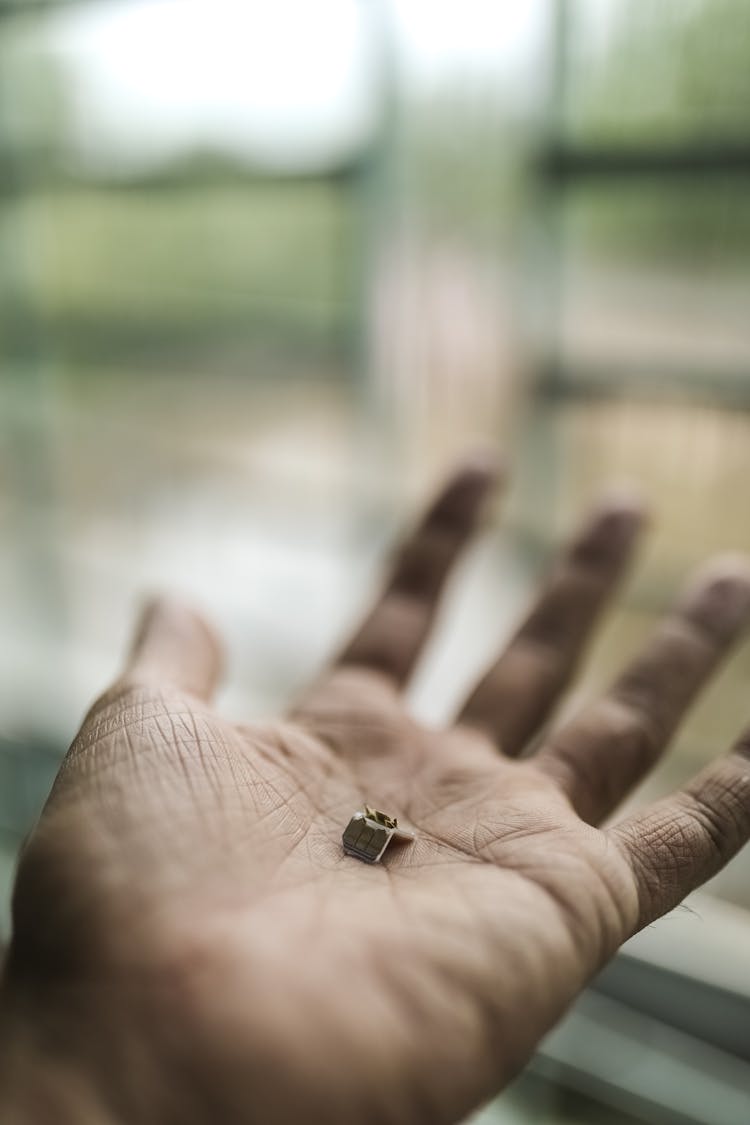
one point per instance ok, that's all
(636, 729)
(721, 816)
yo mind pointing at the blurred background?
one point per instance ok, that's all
(267, 269)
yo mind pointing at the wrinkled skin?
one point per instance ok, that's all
(191, 944)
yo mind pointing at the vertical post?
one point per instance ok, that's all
(26, 426)
(539, 455)
(375, 192)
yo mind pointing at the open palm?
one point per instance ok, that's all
(206, 950)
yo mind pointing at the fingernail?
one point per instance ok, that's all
(483, 461)
(718, 599)
(612, 528)
(168, 618)
(623, 505)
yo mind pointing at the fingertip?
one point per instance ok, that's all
(164, 613)
(623, 500)
(730, 566)
(484, 462)
(481, 470)
(717, 598)
(467, 487)
(175, 643)
(612, 528)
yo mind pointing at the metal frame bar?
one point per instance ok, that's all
(564, 163)
(557, 381)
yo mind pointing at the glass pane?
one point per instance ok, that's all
(644, 72)
(655, 281)
(145, 279)
(692, 463)
(181, 313)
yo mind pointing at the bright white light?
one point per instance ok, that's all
(492, 39)
(273, 80)
(286, 83)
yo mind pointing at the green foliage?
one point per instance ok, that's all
(140, 275)
(670, 75)
(667, 73)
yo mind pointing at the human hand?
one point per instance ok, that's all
(192, 945)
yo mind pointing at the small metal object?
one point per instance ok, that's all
(369, 833)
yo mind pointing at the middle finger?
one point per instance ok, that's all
(517, 695)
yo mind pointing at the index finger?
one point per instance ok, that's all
(395, 630)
